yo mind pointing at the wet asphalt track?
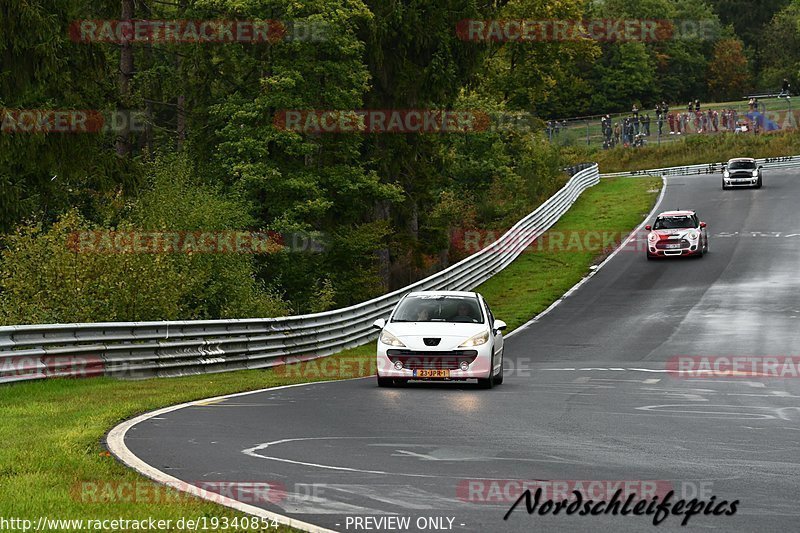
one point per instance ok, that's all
(583, 399)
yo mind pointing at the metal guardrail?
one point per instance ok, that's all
(706, 168)
(176, 348)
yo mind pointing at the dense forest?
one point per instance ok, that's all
(194, 144)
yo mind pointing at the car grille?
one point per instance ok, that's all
(662, 244)
(417, 360)
(431, 341)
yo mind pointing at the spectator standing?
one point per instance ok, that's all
(671, 119)
(785, 89)
(617, 133)
(646, 123)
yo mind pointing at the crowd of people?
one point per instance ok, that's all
(554, 127)
(634, 129)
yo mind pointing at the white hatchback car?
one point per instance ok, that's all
(440, 335)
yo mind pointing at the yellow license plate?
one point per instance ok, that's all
(431, 373)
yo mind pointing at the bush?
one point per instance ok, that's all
(45, 278)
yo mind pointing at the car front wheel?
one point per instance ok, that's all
(488, 383)
(498, 379)
(385, 382)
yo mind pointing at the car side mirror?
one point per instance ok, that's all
(702, 224)
(648, 227)
(379, 324)
(499, 325)
(760, 167)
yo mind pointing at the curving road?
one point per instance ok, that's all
(585, 398)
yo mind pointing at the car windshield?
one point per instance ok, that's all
(742, 165)
(439, 309)
(678, 222)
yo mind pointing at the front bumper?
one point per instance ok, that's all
(416, 361)
(733, 181)
(691, 249)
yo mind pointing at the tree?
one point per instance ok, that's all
(729, 73)
(780, 52)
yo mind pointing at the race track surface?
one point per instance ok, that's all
(585, 398)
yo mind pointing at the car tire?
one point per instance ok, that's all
(724, 187)
(759, 183)
(650, 257)
(488, 383)
(498, 379)
(385, 382)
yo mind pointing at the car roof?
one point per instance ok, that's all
(748, 159)
(684, 213)
(444, 293)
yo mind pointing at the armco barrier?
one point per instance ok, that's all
(705, 168)
(146, 349)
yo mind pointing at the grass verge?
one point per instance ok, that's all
(52, 431)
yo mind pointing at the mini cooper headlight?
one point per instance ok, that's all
(475, 340)
(391, 340)
(755, 173)
(693, 235)
(653, 237)
(726, 174)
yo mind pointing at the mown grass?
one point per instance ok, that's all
(539, 277)
(52, 431)
(696, 150)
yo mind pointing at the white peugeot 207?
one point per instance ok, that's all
(440, 335)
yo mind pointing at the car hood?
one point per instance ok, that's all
(680, 233)
(742, 171)
(435, 329)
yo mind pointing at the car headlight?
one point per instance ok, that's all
(693, 235)
(653, 237)
(476, 340)
(726, 174)
(391, 340)
(755, 173)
